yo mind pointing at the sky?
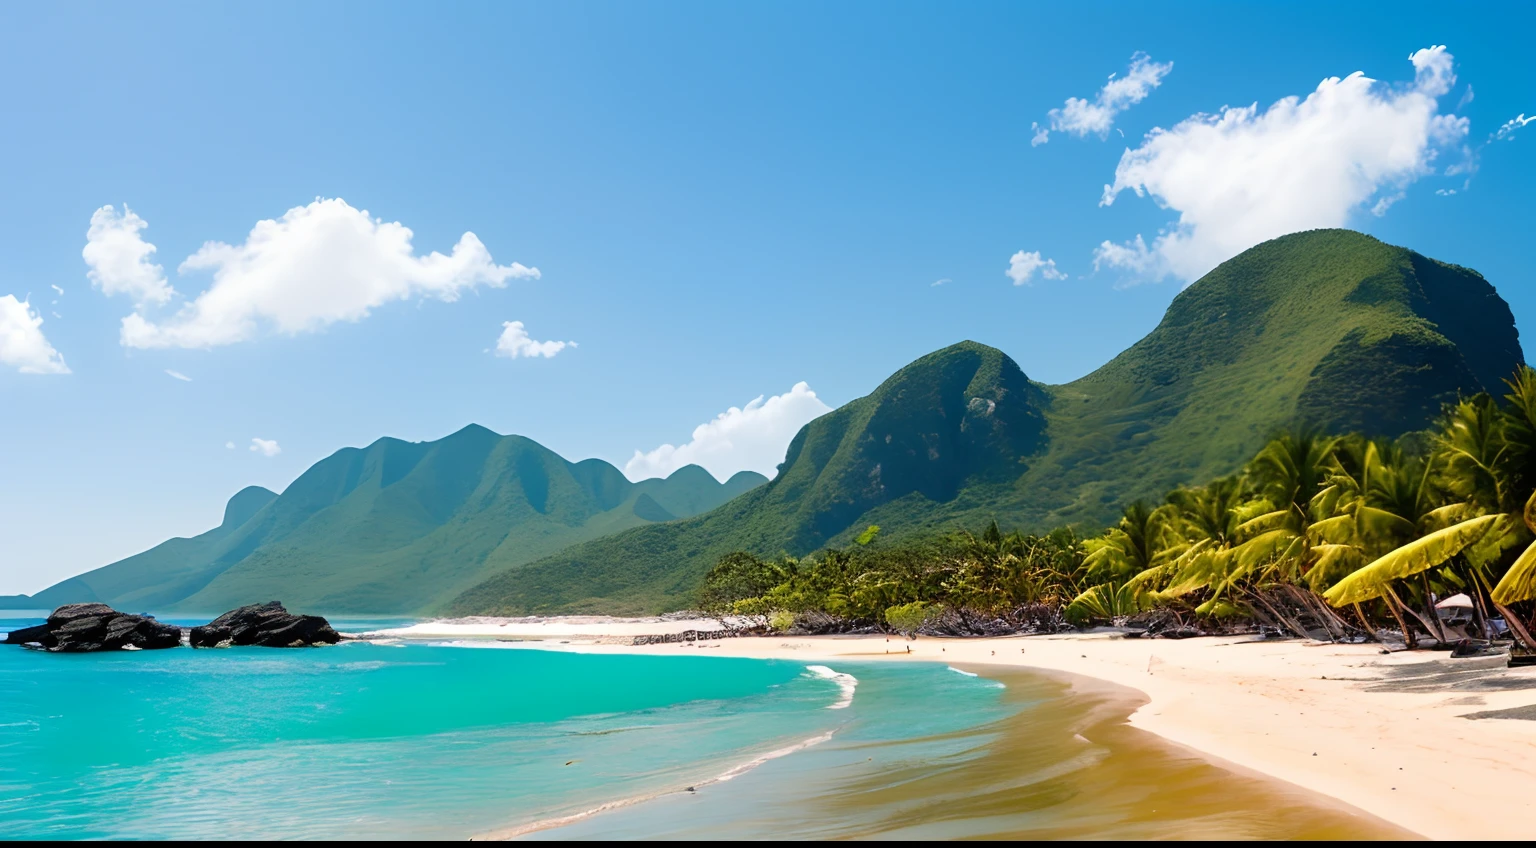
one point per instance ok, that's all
(239, 237)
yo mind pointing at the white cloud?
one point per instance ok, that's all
(118, 257)
(1244, 176)
(515, 343)
(752, 438)
(1385, 203)
(22, 343)
(178, 375)
(1507, 130)
(1081, 117)
(265, 447)
(1133, 256)
(316, 265)
(229, 445)
(945, 281)
(1022, 266)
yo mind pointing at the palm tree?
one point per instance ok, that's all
(1487, 468)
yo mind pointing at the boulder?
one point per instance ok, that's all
(268, 625)
(81, 628)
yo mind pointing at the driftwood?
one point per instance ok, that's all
(699, 635)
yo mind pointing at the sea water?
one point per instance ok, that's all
(409, 740)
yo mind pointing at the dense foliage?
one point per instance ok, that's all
(1320, 535)
(956, 583)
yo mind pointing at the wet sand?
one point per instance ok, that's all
(1064, 766)
(1121, 782)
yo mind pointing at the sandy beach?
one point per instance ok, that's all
(1441, 747)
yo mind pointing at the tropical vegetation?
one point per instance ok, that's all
(1328, 536)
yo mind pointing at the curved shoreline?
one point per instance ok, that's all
(1386, 734)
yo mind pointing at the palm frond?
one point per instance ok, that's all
(1372, 581)
(1519, 582)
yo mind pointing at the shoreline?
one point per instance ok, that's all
(1388, 735)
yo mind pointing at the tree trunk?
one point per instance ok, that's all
(1360, 614)
(1516, 627)
(1434, 614)
(1392, 604)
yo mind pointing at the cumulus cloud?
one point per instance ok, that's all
(316, 265)
(22, 343)
(1506, 131)
(514, 343)
(178, 375)
(119, 257)
(229, 445)
(265, 447)
(1245, 176)
(1022, 266)
(751, 438)
(1081, 116)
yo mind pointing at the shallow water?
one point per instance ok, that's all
(421, 740)
(1060, 764)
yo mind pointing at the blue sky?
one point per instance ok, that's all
(722, 201)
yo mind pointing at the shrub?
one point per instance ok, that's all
(908, 618)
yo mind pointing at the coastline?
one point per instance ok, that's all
(1388, 735)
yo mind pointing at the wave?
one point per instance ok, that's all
(846, 683)
(728, 774)
(966, 673)
(785, 751)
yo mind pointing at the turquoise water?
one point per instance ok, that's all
(407, 741)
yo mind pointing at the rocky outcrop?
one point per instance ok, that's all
(80, 628)
(268, 625)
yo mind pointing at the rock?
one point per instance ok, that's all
(82, 628)
(268, 625)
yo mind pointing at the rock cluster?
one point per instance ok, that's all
(265, 624)
(77, 628)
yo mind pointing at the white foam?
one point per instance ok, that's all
(966, 673)
(738, 771)
(846, 683)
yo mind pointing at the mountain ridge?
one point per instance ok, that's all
(394, 526)
(1331, 328)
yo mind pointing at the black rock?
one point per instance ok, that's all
(81, 628)
(268, 625)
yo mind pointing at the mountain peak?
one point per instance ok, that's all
(692, 472)
(246, 503)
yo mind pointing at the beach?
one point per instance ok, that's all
(1440, 747)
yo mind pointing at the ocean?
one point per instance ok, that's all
(452, 740)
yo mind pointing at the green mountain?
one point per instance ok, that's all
(396, 527)
(1330, 327)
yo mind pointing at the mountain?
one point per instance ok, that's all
(396, 527)
(1330, 328)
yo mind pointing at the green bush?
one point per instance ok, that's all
(908, 618)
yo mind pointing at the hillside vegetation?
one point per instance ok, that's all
(1329, 328)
